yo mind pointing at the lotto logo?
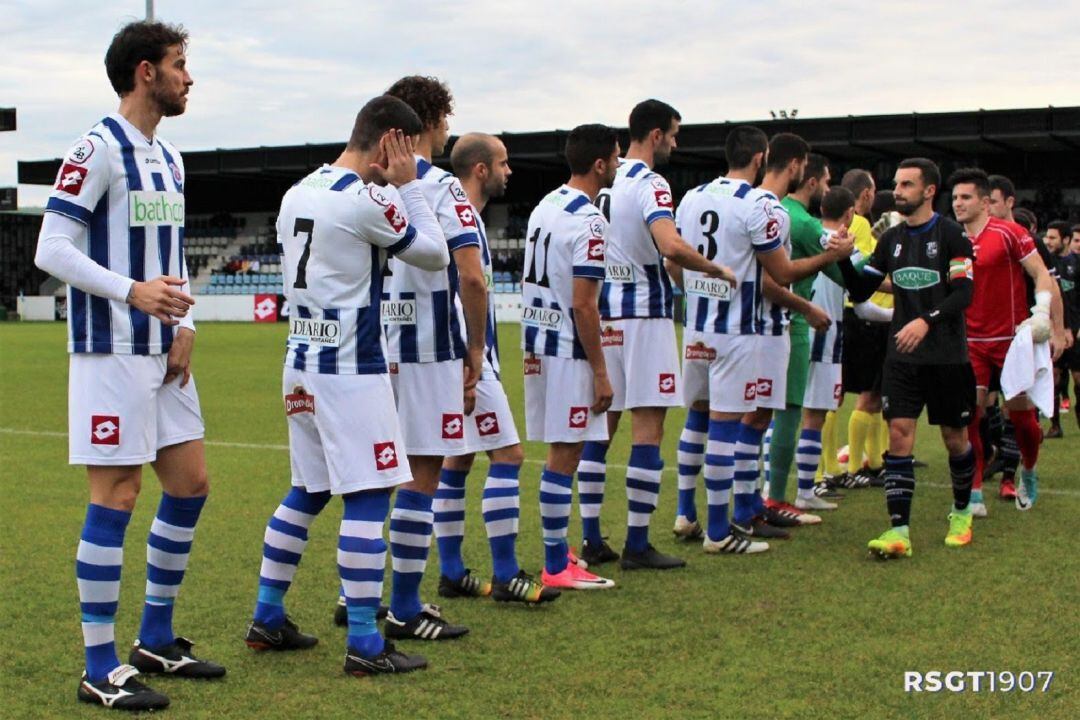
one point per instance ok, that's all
(393, 369)
(596, 249)
(385, 455)
(667, 383)
(395, 218)
(265, 308)
(750, 391)
(298, 401)
(663, 198)
(579, 417)
(533, 366)
(71, 178)
(487, 424)
(764, 387)
(104, 430)
(465, 215)
(772, 229)
(838, 391)
(453, 427)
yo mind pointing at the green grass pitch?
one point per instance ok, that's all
(811, 629)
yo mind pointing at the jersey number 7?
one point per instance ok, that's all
(303, 226)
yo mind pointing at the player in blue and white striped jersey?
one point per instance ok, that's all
(639, 341)
(113, 231)
(336, 228)
(567, 390)
(734, 223)
(481, 163)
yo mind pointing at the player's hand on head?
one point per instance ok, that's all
(911, 335)
(818, 319)
(162, 298)
(602, 394)
(400, 164)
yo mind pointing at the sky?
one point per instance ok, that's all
(272, 73)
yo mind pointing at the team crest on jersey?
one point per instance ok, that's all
(611, 337)
(385, 455)
(466, 215)
(596, 249)
(596, 227)
(750, 391)
(298, 401)
(81, 152)
(380, 199)
(458, 192)
(931, 249)
(700, 351)
(71, 178)
(176, 174)
(666, 383)
(104, 430)
(533, 366)
(764, 387)
(579, 417)
(659, 183)
(395, 218)
(663, 198)
(487, 424)
(453, 426)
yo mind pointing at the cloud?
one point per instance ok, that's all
(279, 72)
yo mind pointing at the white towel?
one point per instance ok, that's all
(1028, 370)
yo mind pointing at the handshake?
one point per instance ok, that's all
(840, 244)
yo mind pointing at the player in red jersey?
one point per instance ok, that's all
(1004, 253)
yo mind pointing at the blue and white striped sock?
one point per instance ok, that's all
(99, 559)
(501, 507)
(766, 468)
(807, 457)
(555, 497)
(410, 539)
(284, 541)
(167, 551)
(449, 507)
(719, 472)
(591, 475)
(747, 449)
(361, 562)
(643, 474)
(691, 457)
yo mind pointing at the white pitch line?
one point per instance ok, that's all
(261, 446)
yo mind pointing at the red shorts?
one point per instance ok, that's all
(987, 359)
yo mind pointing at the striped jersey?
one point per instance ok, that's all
(336, 233)
(727, 221)
(565, 241)
(129, 193)
(827, 345)
(420, 318)
(635, 284)
(490, 369)
(776, 318)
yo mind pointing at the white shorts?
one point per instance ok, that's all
(119, 413)
(773, 352)
(558, 395)
(343, 432)
(431, 406)
(720, 369)
(491, 426)
(824, 390)
(642, 356)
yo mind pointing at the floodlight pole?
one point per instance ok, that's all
(150, 10)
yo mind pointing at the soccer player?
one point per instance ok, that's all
(743, 228)
(567, 390)
(929, 261)
(1004, 252)
(1057, 240)
(337, 228)
(113, 231)
(481, 163)
(640, 348)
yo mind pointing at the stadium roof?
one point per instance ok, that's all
(250, 179)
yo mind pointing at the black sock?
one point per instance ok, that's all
(962, 470)
(1010, 451)
(899, 487)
